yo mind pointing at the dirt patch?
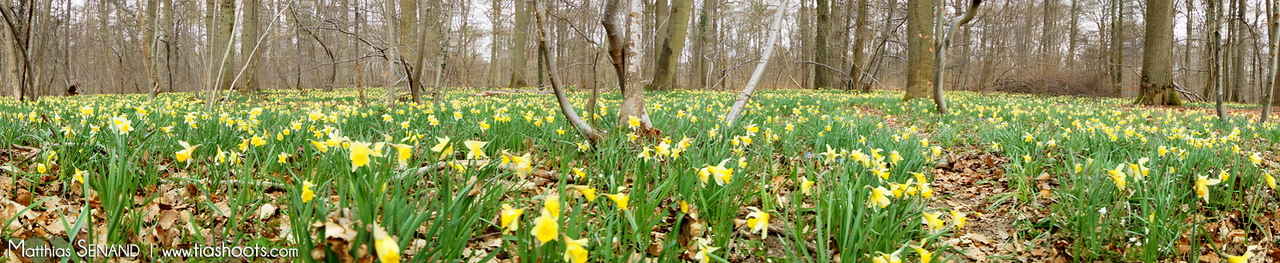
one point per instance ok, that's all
(974, 182)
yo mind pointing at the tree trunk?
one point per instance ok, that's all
(409, 51)
(226, 24)
(519, 34)
(1273, 27)
(633, 91)
(942, 54)
(774, 30)
(668, 56)
(821, 54)
(248, 42)
(703, 43)
(919, 58)
(1157, 56)
(861, 32)
(494, 43)
(1071, 37)
(566, 107)
(1117, 47)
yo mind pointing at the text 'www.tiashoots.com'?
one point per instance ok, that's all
(84, 250)
(235, 252)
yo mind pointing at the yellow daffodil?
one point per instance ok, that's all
(41, 168)
(1202, 186)
(879, 197)
(588, 192)
(881, 171)
(806, 186)
(545, 227)
(475, 149)
(662, 149)
(79, 175)
(1118, 176)
(403, 152)
(1271, 181)
(360, 152)
(184, 154)
(619, 199)
(721, 174)
(443, 147)
(307, 194)
(633, 122)
(257, 141)
(959, 218)
(320, 146)
(552, 204)
(830, 155)
(520, 164)
(121, 125)
(509, 218)
(283, 158)
(931, 220)
(1248, 253)
(758, 221)
(1255, 158)
(925, 255)
(387, 248)
(886, 258)
(704, 250)
(684, 207)
(575, 250)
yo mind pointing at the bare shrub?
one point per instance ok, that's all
(1055, 81)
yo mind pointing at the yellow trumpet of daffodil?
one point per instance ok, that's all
(806, 186)
(552, 204)
(121, 125)
(931, 220)
(1118, 176)
(474, 150)
(830, 155)
(721, 174)
(1248, 253)
(662, 149)
(320, 146)
(257, 141)
(283, 157)
(79, 175)
(545, 227)
(758, 221)
(1271, 181)
(1255, 158)
(387, 248)
(575, 250)
(1202, 185)
(403, 152)
(307, 194)
(588, 192)
(704, 250)
(879, 197)
(520, 164)
(443, 148)
(619, 199)
(925, 255)
(508, 217)
(41, 168)
(959, 218)
(881, 257)
(360, 152)
(185, 154)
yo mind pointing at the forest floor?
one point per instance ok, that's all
(804, 176)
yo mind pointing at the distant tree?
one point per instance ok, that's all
(1157, 56)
